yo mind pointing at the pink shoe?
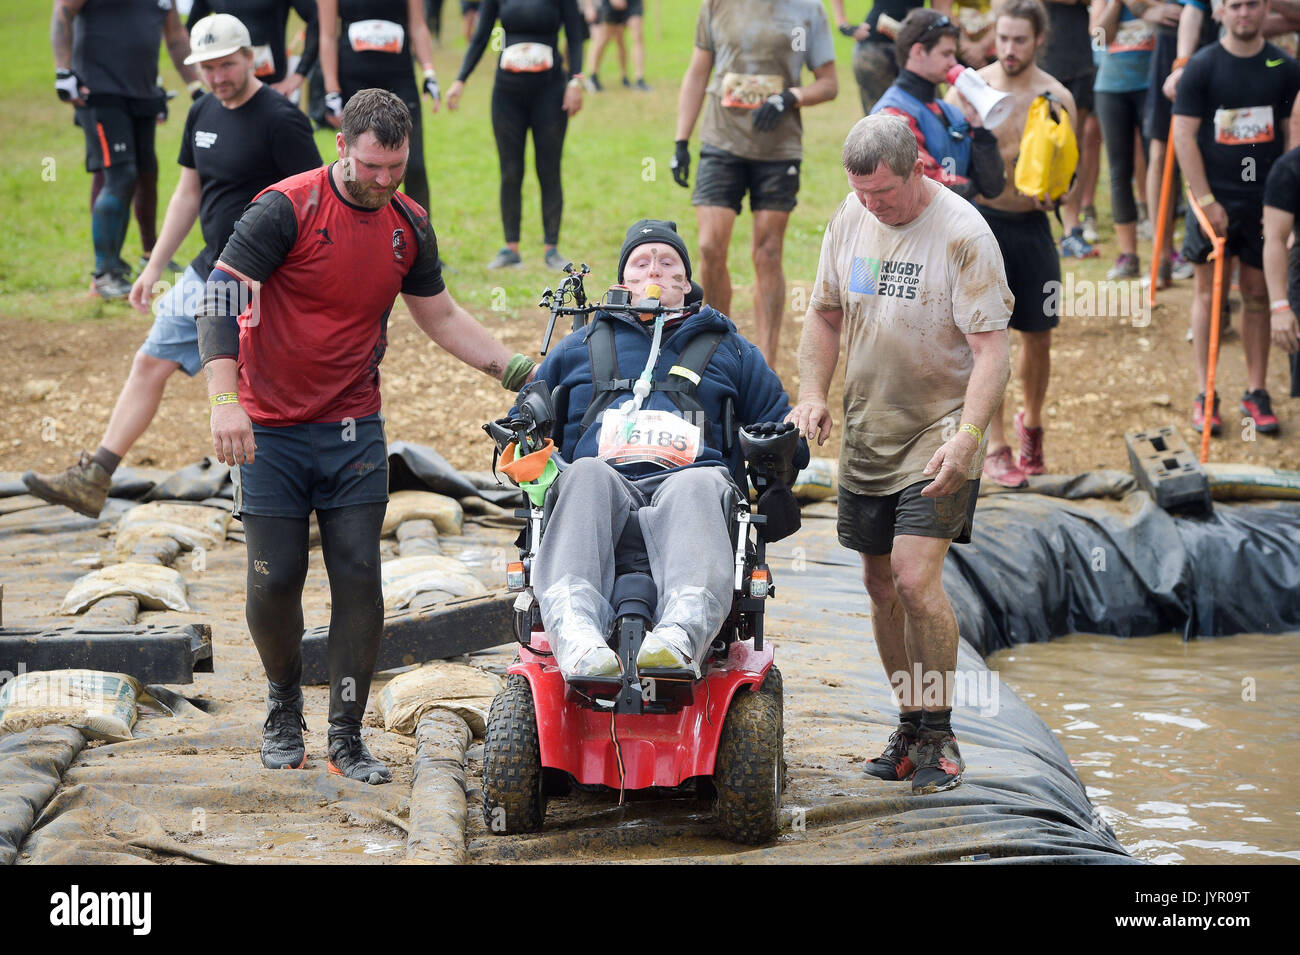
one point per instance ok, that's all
(1002, 469)
(1030, 459)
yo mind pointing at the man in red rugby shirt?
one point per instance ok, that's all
(291, 334)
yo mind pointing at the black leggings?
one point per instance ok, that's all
(416, 183)
(277, 569)
(1120, 115)
(521, 102)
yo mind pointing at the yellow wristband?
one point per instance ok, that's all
(225, 398)
(973, 431)
(1206, 200)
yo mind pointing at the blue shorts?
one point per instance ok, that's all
(174, 336)
(318, 466)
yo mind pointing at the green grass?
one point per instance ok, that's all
(615, 171)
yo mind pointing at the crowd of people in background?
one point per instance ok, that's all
(1122, 67)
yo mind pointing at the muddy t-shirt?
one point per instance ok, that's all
(1243, 103)
(909, 296)
(759, 48)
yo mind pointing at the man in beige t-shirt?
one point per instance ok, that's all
(912, 276)
(751, 136)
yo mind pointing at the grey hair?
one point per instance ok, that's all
(876, 139)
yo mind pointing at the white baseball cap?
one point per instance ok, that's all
(216, 36)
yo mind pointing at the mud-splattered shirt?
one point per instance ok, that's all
(759, 48)
(909, 295)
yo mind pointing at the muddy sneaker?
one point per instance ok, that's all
(938, 763)
(82, 487)
(1000, 468)
(666, 649)
(626, 84)
(1075, 246)
(349, 757)
(898, 761)
(555, 261)
(1257, 406)
(1125, 267)
(1198, 416)
(592, 84)
(641, 86)
(506, 259)
(1030, 459)
(1181, 268)
(282, 746)
(112, 284)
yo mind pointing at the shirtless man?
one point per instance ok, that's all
(1020, 225)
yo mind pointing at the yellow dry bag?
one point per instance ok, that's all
(1048, 151)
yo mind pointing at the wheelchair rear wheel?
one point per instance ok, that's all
(514, 790)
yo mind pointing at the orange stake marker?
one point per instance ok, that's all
(1207, 410)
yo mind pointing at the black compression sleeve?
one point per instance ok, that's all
(573, 31)
(263, 237)
(311, 43)
(487, 19)
(217, 317)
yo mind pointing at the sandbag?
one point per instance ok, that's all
(157, 587)
(405, 577)
(190, 525)
(101, 705)
(466, 691)
(816, 482)
(445, 512)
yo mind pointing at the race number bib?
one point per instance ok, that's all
(749, 90)
(263, 60)
(659, 437)
(1133, 36)
(1241, 127)
(376, 36)
(527, 58)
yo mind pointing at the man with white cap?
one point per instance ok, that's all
(238, 140)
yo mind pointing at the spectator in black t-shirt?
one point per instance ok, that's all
(106, 66)
(875, 63)
(1281, 212)
(1231, 123)
(238, 140)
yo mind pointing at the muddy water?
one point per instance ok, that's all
(1191, 751)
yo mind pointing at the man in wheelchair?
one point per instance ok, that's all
(647, 408)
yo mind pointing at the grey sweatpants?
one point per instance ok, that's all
(686, 528)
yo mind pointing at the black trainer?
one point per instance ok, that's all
(898, 760)
(939, 764)
(282, 746)
(349, 757)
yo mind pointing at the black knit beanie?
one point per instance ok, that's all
(653, 230)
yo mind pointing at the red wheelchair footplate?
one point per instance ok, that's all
(656, 749)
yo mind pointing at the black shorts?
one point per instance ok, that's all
(1032, 264)
(1080, 88)
(723, 178)
(870, 524)
(1245, 234)
(1158, 108)
(119, 130)
(299, 468)
(608, 14)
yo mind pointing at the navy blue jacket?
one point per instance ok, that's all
(736, 370)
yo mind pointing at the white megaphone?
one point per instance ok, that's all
(994, 106)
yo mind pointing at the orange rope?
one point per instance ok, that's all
(1207, 410)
